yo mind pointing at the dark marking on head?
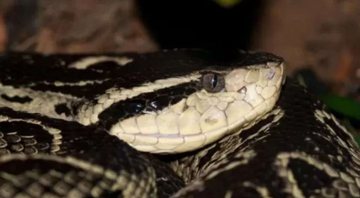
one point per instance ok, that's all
(17, 99)
(158, 65)
(147, 102)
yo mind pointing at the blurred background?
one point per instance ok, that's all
(320, 40)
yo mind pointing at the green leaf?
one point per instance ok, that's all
(346, 106)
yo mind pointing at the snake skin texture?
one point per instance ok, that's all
(297, 149)
(89, 163)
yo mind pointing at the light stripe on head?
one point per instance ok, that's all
(112, 103)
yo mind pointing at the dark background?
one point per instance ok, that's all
(201, 23)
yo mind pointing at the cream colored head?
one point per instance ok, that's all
(226, 100)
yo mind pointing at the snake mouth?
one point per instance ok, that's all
(203, 117)
(179, 143)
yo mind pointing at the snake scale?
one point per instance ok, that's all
(178, 123)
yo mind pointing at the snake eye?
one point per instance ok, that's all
(213, 82)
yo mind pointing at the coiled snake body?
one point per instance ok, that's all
(84, 125)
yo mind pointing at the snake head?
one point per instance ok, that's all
(199, 101)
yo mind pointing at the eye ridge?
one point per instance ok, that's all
(213, 82)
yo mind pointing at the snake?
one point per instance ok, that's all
(173, 123)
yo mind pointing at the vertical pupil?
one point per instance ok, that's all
(214, 80)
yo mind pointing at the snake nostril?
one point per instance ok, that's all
(242, 90)
(270, 75)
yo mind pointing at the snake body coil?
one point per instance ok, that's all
(64, 121)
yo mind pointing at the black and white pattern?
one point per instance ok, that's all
(58, 116)
(298, 150)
